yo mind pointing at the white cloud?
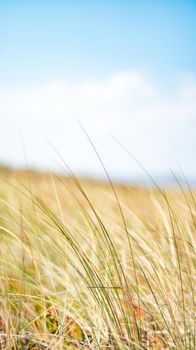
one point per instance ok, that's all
(67, 97)
(157, 127)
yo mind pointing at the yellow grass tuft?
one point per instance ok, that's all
(85, 266)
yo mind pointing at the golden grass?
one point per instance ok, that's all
(86, 267)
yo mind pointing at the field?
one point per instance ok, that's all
(91, 265)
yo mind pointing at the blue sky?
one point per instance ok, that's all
(43, 39)
(121, 67)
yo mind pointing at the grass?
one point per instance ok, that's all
(89, 265)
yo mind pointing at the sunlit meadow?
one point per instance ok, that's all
(94, 265)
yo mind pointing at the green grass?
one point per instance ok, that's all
(88, 265)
